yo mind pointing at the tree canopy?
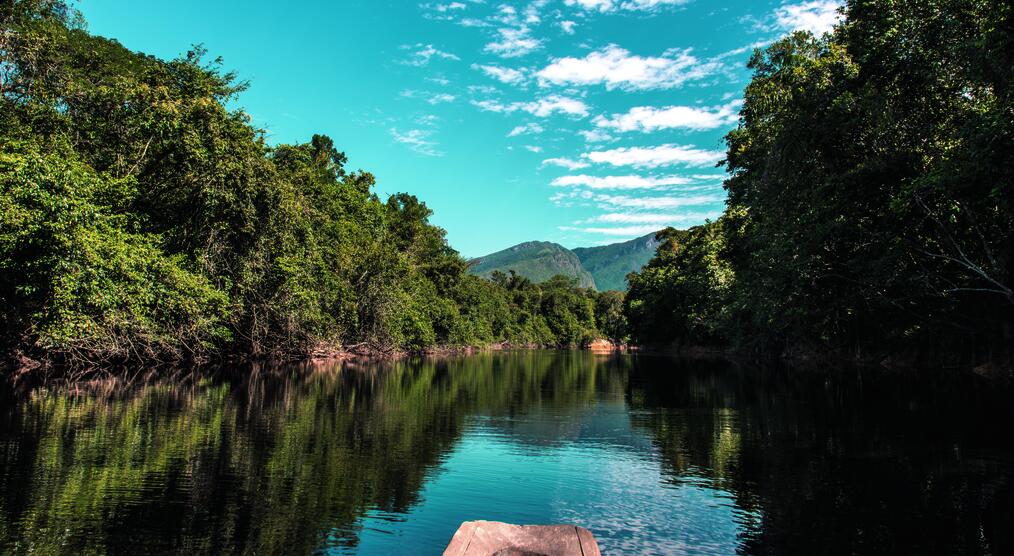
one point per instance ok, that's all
(143, 218)
(870, 195)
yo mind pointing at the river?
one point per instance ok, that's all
(653, 455)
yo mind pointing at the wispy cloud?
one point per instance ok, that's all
(742, 50)
(567, 163)
(443, 8)
(514, 38)
(641, 223)
(513, 42)
(542, 107)
(620, 182)
(531, 13)
(502, 74)
(653, 157)
(655, 219)
(533, 148)
(526, 129)
(816, 16)
(450, 11)
(567, 26)
(647, 118)
(629, 5)
(484, 89)
(616, 68)
(418, 140)
(630, 204)
(422, 54)
(616, 230)
(654, 203)
(431, 98)
(595, 135)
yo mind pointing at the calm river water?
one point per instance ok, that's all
(653, 455)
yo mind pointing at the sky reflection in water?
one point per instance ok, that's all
(653, 455)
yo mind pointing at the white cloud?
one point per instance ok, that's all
(506, 14)
(472, 22)
(616, 67)
(542, 107)
(816, 16)
(532, 16)
(657, 219)
(545, 107)
(629, 5)
(568, 26)
(526, 129)
(742, 50)
(595, 135)
(514, 29)
(533, 148)
(432, 98)
(514, 36)
(440, 97)
(626, 204)
(653, 157)
(647, 118)
(513, 42)
(423, 53)
(638, 223)
(649, 203)
(446, 7)
(622, 230)
(567, 163)
(453, 11)
(710, 177)
(484, 89)
(418, 140)
(502, 74)
(619, 182)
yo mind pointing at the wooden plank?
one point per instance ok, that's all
(459, 542)
(484, 538)
(589, 546)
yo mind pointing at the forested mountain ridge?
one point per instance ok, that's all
(144, 220)
(610, 264)
(536, 260)
(603, 267)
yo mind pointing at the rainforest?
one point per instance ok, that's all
(145, 219)
(749, 286)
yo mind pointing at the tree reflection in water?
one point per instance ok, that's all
(297, 459)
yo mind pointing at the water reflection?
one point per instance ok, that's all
(653, 455)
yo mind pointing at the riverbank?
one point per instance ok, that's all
(805, 356)
(20, 364)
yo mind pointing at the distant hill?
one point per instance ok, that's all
(603, 268)
(536, 260)
(610, 264)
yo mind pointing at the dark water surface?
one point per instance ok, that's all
(653, 455)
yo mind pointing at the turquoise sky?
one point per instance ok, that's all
(582, 122)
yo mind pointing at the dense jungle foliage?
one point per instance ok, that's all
(871, 205)
(143, 218)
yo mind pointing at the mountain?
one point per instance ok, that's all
(536, 260)
(610, 264)
(604, 267)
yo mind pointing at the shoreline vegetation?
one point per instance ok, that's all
(870, 211)
(145, 221)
